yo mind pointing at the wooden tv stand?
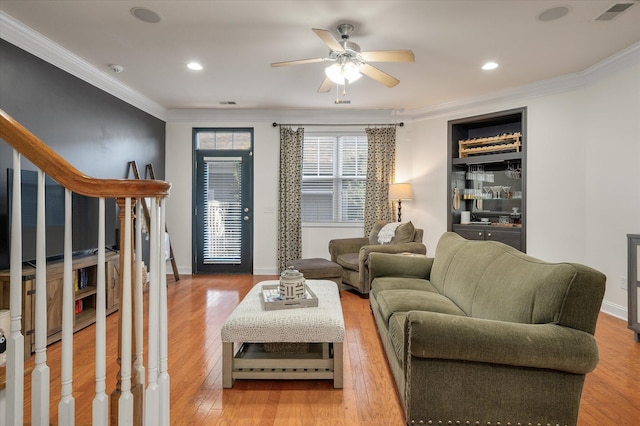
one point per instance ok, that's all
(85, 275)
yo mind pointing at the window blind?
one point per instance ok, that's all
(334, 169)
(223, 211)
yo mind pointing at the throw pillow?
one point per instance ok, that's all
(387, 232)
(404, 233)
(373, 236)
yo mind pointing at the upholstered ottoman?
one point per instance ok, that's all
(250, 327)
(318, 269)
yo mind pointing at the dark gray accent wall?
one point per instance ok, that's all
(96, 132)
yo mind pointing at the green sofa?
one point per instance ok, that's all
(485, 334)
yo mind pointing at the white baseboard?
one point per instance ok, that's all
(184, 270)
(266, 271)
(615, 310)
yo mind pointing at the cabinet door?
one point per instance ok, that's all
(54, 306)
(510, 238)
(113, 285)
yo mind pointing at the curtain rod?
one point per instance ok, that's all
(401, 124)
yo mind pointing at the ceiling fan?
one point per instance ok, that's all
(350, 62)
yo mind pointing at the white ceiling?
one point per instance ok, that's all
(236, 40)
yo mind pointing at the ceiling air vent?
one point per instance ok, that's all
(614, 11)
(228, 103)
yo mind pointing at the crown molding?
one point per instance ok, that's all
(18, 34)
(614, 63)
(283, 116)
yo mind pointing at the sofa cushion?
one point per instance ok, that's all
(397, 283)
(404, 233)
(397, 334)
(464, 269)
(348, 261)
(535, 290)
(479, 276)
(392, 301)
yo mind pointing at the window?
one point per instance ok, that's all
(334, 170)
(223, 139)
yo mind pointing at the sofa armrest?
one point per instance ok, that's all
(550, 346)
(346, 245)
(412, 247)
(393, 265)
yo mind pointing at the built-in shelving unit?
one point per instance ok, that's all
(85, 274)
(487, 176)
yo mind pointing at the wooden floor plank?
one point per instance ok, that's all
(198, 306)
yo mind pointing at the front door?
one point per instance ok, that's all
(223, 201)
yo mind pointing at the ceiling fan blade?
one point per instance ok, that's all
(328, 39)
(325, 86)
(298, 62)
(379, 76)
(388, 56)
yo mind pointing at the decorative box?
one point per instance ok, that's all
(292, 285)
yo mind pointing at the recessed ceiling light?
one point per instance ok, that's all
(554, 13)
(146, 15)
(490, 66)
(194, 66)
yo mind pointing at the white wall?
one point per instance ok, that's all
(612, 136)
(583, 181)
(178, 171)
(583, 174)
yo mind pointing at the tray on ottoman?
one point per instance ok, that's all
(272, 300)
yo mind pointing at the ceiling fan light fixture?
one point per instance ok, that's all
(339, 73)
(351, 72)
(334, 73)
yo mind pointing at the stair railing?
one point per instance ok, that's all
(142, 394)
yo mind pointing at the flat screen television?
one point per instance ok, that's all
(84, 218)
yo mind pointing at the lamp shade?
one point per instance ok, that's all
(400, 191)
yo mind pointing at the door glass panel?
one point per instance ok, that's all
(232, 139)
(223, 210)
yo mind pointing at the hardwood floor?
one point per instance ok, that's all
(199, 305)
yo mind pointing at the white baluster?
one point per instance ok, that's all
(15, 340)
(66, 407)
(138, 305)
(125, 402)
(163, 380)
(100, 412)
(40, 375)
(152, 407)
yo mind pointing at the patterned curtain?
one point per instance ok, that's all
(289, 207)
(381, 169)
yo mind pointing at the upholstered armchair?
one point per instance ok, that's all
(353, 253)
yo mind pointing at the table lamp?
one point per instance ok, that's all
(399, 192)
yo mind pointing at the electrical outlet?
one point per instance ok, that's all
(623, 283)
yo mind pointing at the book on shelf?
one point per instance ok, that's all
(81, 279)
(79, 306)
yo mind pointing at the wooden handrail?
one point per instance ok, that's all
(52, 164)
